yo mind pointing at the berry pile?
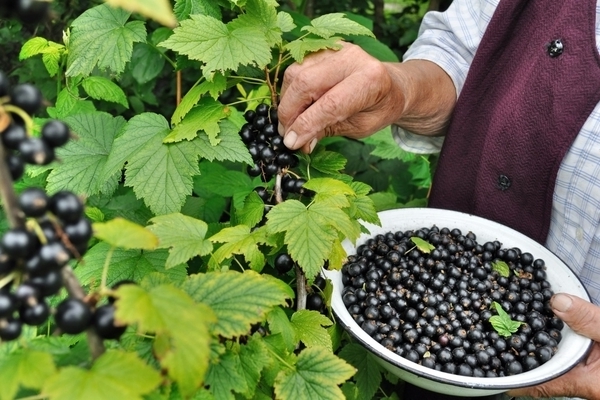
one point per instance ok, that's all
(28, 11)
(435, 306)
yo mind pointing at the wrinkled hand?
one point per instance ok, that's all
(583, 380)
(345, 92)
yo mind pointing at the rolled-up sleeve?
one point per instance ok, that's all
(448, 39)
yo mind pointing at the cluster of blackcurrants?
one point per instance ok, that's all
(22, 148)
(31, 263)
(284, 263)
(435, 308)
(28, 11)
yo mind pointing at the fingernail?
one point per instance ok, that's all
(312, 145)
(280, 129)
(561, 302)
(290, 140)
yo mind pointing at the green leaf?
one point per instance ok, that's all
(254, 356)
(100, 88)
(300, 47)
(310, 328)
(501, 267)
(238, 300)
(159, 173)
(230, 148)
(114, 375)
(386, 147)
(188, 101)
(69, 104)
(423, 245)
(221, 47)
(285, 22)
(253, 211)
(332, 24)
(241, 240)
(101, 37)
(226, 376)
(316, 371)
(24, 368)
(146, 63)
(183, 8)
(32, 47)
(182, 235)
(204, 117)
(84, 158)
(263, 15)
(216, 178)
(363, 206)
(328, 162)
(279, 324)
(125, 234)
(170, 313)
(131, 265)
(368, 370)
(332, 191)
(310, 232)
(502, 322)
(159, 10)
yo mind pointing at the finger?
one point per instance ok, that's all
(581, 316)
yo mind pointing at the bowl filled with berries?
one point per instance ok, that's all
(455, 303)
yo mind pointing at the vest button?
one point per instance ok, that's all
(555, 48)
(503, 182)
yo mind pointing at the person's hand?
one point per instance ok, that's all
(345, 92)
(583, 380)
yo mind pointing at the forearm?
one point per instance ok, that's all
(429, 96)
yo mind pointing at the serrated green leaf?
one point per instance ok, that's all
(188, 101)
(368, 370)
(386, 147)
(84, 158)
(332, 24)
(253, 211)
(285, 22)
(94, 214)
(501, 267)
(159, 173)
(131, 265)
(300, 47)
(328, 162)
(183, 236)
(502, 322)
(183, 8)
(158, 10)
(238, 300)
(204, 117)
(230, 148)
(100, 88)
(226, 376)
(114, 375)
(24, 368)
(279, 324)
(219, 46)
(170, 312)
(51, 60)
(263, 15)
(310, 231)
(310, 328)
(254, 356)
(216, 178)
(146, 63)
(69, 104)
(101, 37)
(241, 240)
(32, 47)
(125, 234)
(317, 370)
(329, 190)
(423, 245)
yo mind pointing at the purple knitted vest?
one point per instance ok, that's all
(534, 81)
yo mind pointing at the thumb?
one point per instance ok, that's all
(581, 316)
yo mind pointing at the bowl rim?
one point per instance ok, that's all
(422, 372)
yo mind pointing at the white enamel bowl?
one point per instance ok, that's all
(572, 348)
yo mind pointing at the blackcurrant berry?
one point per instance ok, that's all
(13, 136)
(53, 255)
(8, 304)
(16, 166)
(249, 115)
(33, 201)
(103, 322)
(73, 316)
(27, 97)
(7, 264)
(66, 206)
(4, 84)
(10, 329)
(35, 151)
(284, 263)
(262, 109)
(32, 11)
(35, 314)
(19, 243)
(314, 301)
(48, 283)
(79, 232)
(55, 133)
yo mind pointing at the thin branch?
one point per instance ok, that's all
(178, 99)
